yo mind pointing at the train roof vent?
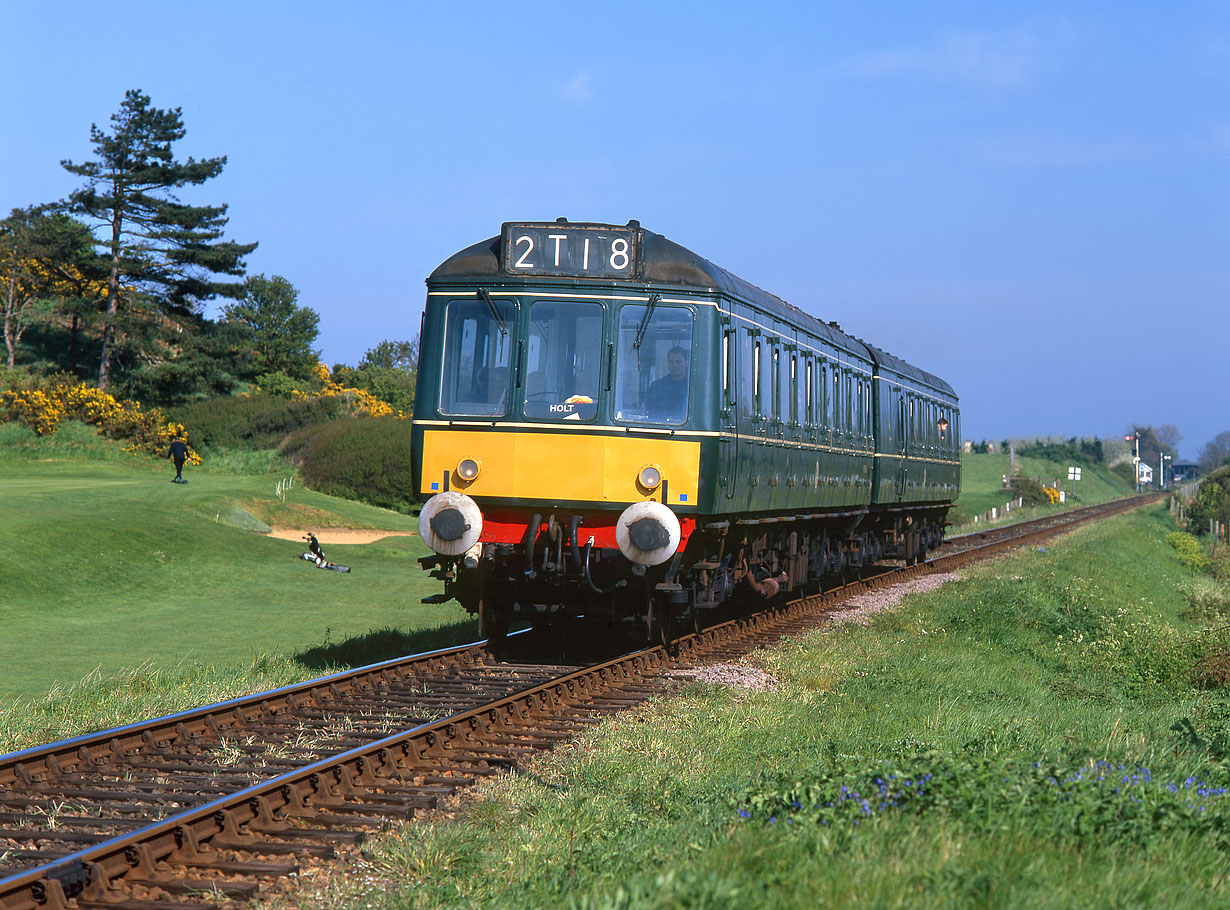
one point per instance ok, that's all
(633, 223)
(561, 220)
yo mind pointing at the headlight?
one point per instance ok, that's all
(468, 468)
(650, 478)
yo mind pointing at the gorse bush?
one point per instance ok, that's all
(368, 460)
(355, 402)
(42, 406)
(1190, 551)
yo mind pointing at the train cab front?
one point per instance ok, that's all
(558, 439)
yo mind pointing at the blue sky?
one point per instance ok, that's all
(1031, 200)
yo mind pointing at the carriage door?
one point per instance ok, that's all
(729, 439)
(902, 470)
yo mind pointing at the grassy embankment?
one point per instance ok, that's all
(1004, 741)
(982, 487)
(106, 567)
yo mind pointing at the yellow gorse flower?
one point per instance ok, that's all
(358, 402)
(65, 399)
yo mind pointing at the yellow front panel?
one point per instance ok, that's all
(560, 466)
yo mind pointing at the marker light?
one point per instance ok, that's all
(468, 468)
(650, 477)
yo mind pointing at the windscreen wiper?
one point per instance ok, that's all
(644, 326)
(499, 320)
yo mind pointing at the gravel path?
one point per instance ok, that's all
(862, 607)
(858, 609)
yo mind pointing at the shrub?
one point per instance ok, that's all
(1208, 600)
(264, 419)
(1212, 668)
(1029, 491)
(1189, 550)
(369, 460)
(1221, 564)
(1212, 502)
(279, 384)
(256, 421)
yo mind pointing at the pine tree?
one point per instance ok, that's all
(163, 253)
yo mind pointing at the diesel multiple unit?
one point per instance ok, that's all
(610, 427)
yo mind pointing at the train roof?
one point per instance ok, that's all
(883, 360)
(664, 262)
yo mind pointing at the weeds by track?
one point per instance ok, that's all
(222, 800)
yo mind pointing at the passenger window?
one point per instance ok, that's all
(784, 379)
(849, 402)
(777, 385)
(825, 404)
(654, 362)
(858, 387)
(477, 346)
(808, 392)
(748, 364)
(835, 404)
(767, 364)
(563, 359)
(727, 354)
(756, 379)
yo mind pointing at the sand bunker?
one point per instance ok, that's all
(337, 535)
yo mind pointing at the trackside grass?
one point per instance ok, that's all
(106, 567)
(982, 487)
(1028, 736)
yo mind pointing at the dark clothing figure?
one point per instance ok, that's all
(178, 454)
(667, 399)
(314, 549)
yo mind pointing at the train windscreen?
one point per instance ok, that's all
(563, 357)
(478, 346)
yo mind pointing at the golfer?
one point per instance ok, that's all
(178, 454)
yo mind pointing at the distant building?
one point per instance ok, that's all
(1184, 470)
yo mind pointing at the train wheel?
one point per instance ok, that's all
(657, 622)
(492, 622)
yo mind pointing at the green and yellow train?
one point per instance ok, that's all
(610, 427)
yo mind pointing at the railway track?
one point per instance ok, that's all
(177, 812)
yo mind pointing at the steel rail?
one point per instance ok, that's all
(217, 719)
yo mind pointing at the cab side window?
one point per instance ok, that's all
(478, 345)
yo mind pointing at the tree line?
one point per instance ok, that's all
(111, 283)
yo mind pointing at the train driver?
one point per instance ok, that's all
(667, 398)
